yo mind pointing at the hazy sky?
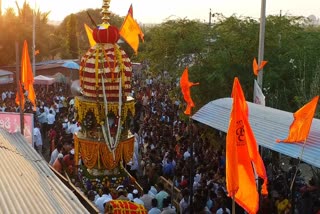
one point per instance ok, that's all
(156, 11)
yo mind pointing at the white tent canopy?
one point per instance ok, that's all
(43, 80)
(6, 77)
(268, 124)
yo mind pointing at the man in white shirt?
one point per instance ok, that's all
(4, 96)
(71, 102)
(184, 203)
(43, 120)
(105, 197)
(145, 100)
(186, 154)
(223, 210)
(146, 198)
(73, 127)
(37, 138)
(136, 197)
(51, 119)
(154, 209)
(55, 153)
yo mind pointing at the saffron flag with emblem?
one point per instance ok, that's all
(256, 67)
(89, 35)
(27, 75)
(242, 156)
(130, 31)
(185, 85)
(300, 127)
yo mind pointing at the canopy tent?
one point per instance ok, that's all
(43, 80)
(59, 77)
(6, 77)
(268, 124)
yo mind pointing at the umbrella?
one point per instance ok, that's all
(71, 65)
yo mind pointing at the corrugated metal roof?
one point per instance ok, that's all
(27, 184)
(268, 124)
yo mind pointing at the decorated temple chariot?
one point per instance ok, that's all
(105, 110)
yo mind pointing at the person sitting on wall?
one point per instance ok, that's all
(58, 163)
(69, 162)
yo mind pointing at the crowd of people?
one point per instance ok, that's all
(54, 122)
(167, 144)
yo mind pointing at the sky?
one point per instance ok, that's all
(157, 11)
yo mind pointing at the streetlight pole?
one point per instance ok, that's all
(261, 40)
(210, 14)
(260, 59)
(34, 40)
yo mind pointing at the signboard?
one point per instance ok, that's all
(10, 121)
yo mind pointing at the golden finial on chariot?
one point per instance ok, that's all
(105, 11)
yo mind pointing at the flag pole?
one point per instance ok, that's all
(299, 161)
(292, 186)
(233, 206)
(191, 165)
(18, 80)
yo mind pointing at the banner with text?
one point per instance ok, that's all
(10, 121)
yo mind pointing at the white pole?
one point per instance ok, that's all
(260, 59)
(261, 40)
(34, 40)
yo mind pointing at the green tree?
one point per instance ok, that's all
(17, 28)
(225, 50)
(291, 49)
(171, 44)
(72, 35)
(232, 45)
(59, 36)
(8, 36)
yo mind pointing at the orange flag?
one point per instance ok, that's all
(256, 67)
(27, 75)
(300, 127)
(130, 31)
(185, 89)
(89, 35)
(242, 154)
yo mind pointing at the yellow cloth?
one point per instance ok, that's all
(83, 106)
(92, 153)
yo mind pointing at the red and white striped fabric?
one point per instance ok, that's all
(105, 60)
